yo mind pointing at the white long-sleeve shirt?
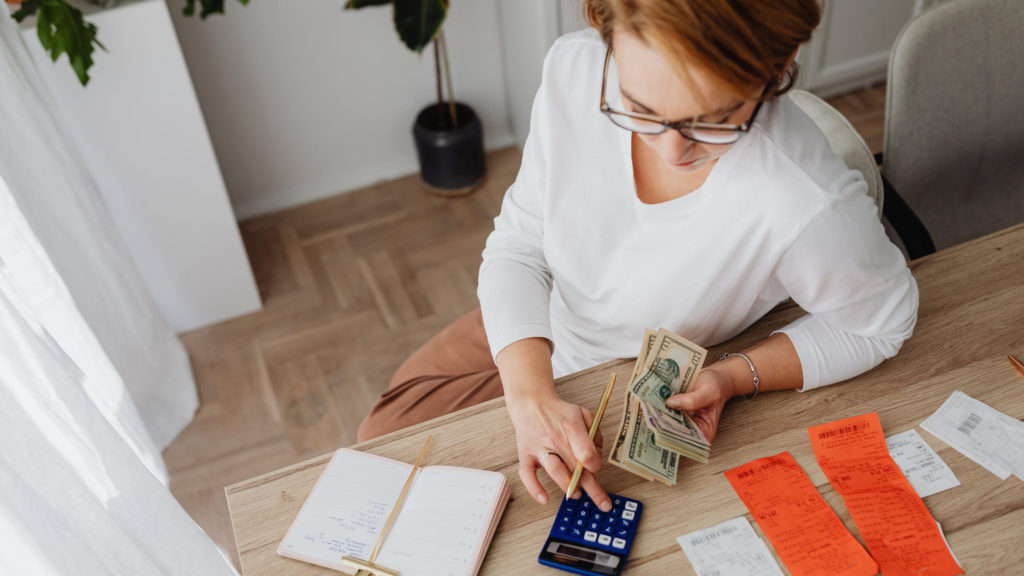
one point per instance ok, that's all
(577, 258)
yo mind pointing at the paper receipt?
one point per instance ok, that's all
(808, 536)
(892, 519)
(927, 473)
(994, 440)
(731, 548)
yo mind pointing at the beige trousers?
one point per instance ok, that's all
(450, 372)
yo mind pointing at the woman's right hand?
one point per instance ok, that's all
(553, 434)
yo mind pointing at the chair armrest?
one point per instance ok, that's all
(908, 226)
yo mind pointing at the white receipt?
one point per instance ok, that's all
(992, 439)
(927, 473)
(731, 548)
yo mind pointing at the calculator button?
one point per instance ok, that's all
(590, 536)
(565, 519)
(580, 523)
(607, 530)
(628, 515)
(610, 520)
(596, 516)
(604, 540)
(625, 523)
(586, 503)
(576, 532)
(622, 532)
(615, 511)
(569, 510)
(595, 526)
(582, 513)
(631, 506)
(619, 543)
(563, 529)
(617, 501)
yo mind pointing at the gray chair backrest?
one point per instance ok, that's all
(954, 118)
(844, 141)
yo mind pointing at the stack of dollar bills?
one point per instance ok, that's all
(652, 436)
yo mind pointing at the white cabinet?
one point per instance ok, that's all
(850, 47)
(140, 131)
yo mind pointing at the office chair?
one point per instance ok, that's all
(844, 141)
(954, 118)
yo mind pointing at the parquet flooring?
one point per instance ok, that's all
(351, 286)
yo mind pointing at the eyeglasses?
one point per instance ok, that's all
(703, 132)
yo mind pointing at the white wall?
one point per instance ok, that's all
(304, 100)
(139, 129)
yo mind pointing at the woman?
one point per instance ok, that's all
(620, 219)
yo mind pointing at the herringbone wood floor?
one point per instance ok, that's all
(351, 286)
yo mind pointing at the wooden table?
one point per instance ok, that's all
(971, 317)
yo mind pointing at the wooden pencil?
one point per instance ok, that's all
(593, 432)
(1016, 364)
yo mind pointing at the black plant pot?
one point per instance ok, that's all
(451, 158)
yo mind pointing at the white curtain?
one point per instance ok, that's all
(93, 385)
(59, 199)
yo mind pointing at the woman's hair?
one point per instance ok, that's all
(746, 43)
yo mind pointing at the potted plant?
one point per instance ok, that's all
(62, 29)
(448, 134)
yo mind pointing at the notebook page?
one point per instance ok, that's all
(443, 523)
(346, 509)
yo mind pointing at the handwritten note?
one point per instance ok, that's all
(731, 548)
(808, 536)
(927, 473)
(995, 441)
(346, 510)
(442, 528)
(893, 521)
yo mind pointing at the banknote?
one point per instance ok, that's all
(672, 366)
(641, 359)
(651, 436)
(686, 439)
(636, 451)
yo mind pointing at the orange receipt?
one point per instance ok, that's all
(892, 519)
(810, 539)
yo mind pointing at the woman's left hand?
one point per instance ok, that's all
(705, 401)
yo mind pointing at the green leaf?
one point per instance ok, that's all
(417, 21)
(207, 7)
(357, 4)
(62, 30)
(28, 8)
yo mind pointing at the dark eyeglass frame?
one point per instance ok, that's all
(684, 127)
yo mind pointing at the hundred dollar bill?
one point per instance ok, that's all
(673, 364)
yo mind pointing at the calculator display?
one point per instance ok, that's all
(587, 559)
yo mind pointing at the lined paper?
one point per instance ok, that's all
(346, 511)
(440, 530)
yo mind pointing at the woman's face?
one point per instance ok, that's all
(648, 84)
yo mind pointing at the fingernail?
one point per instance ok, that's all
(605, 506)
(542, 498)
(577, 495)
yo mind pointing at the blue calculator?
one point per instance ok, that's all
(585, 540)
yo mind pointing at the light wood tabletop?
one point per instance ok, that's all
(971, 317)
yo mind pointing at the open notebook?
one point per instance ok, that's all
(444, 526)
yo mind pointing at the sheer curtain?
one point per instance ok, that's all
(93, 385)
